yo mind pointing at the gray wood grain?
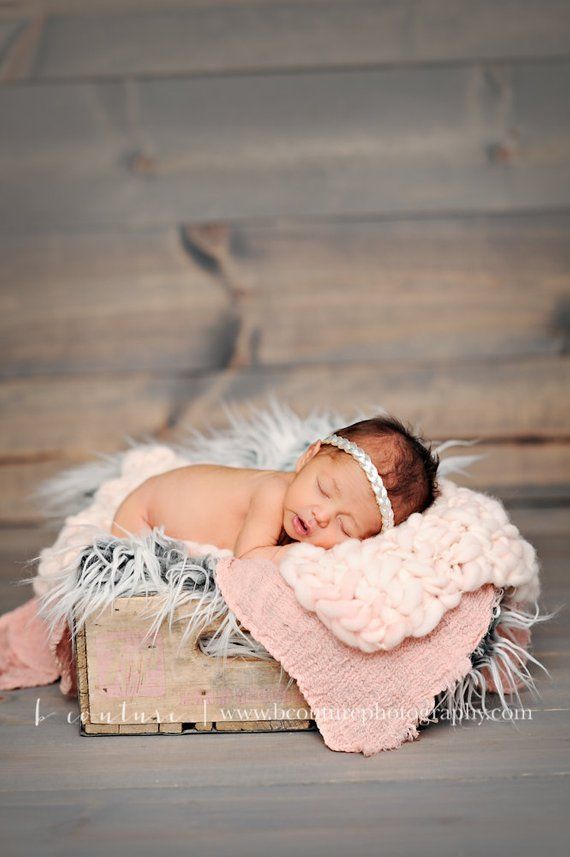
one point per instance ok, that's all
(329, 818)
(111, 302)
(81, 415)
(432, 139)
(240, 36)
(81, 41)
(437, 288)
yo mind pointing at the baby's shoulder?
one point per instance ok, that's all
(270, 485)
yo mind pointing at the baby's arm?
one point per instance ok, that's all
(262, 526)
(275, 554)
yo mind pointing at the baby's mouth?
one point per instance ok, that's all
(300, 526)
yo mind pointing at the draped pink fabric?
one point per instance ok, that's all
(362, 702)
(28, 657)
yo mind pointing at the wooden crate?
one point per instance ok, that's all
(130, 687)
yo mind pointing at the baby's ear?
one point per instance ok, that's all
(307, 455)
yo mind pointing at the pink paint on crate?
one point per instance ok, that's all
(125, 667)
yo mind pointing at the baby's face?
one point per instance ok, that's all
(333, 498)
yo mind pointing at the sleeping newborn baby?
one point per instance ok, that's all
(338, 491)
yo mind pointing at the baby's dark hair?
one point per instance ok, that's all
(407, 465)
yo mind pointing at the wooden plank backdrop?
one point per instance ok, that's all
(70, 39)
(349, 204)
(142, 151)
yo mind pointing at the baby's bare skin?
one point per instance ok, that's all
(256, 512)
(231, 507)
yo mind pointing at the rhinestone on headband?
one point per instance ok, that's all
(374, 477)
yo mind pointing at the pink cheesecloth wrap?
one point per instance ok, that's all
(361, 702)
(371, 631)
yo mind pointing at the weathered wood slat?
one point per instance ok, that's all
(430, 139)
(137, 729)
(80, 40)
(84, 415)
(517, 472)
(170, 728)
(86, 302)
(135, 685)
(205, 726)
(264, 726)
(333, 813)
(436, 288)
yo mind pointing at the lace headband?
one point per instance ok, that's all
(375, 479)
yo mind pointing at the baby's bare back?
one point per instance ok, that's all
(205, 503)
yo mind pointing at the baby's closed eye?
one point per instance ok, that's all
(342, 527)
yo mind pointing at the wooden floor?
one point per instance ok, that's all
(347, 203)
